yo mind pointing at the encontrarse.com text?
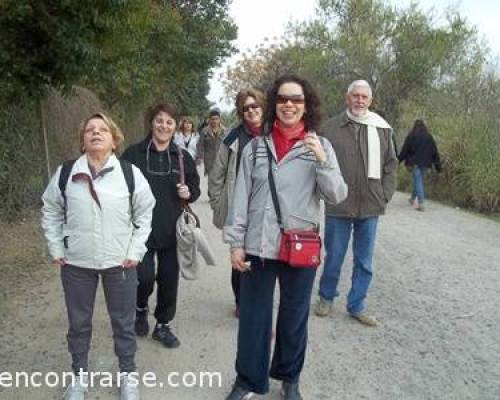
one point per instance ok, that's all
(199, 379)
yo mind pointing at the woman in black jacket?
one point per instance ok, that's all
(419, 153)
(157, 157)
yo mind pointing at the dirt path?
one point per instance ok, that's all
(436, 291)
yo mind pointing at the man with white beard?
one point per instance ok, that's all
(363, 143)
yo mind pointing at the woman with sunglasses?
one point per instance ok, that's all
(305, 170)
(157, 156)
(249, 107)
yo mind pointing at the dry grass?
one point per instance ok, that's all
(23, 258)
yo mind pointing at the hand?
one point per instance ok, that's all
(238, 260)
(59, 262)
(311, 140)
(130, 263)
(183, 191)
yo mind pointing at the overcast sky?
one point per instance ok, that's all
(260, 19)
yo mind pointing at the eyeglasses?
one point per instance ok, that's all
(295, 99)
(149, 170)
(252, 106)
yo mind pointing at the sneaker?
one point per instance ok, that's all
(323, 307)
(238, 393)
(129, 386)
(290, 391)
(163, 334)
(365, 319)
(420, 206)
(141, 322)
(77, 389)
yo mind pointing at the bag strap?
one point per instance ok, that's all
(186, 208)
(272, 186)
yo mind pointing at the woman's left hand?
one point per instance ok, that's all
(311, 140)
(183, 191)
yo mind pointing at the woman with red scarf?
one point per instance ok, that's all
(304, 170)
(250, 110)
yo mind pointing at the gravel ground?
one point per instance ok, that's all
(436, 292)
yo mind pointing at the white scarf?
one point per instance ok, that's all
(372, 121)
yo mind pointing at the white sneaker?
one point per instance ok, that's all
(129, 386)
(77, 389)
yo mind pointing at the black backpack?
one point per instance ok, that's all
(67, 166)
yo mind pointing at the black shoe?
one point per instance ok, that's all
(290, 391)
(141, 322)
(238, 393)
(163, 334)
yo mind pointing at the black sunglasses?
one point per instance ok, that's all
(295, 99)
(252, 106)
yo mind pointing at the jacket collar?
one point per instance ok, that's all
(172, 147)
(82, 164)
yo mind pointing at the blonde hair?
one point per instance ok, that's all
(116, 133)
(185, 120)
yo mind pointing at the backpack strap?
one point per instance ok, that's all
(128, 173)
(66, 168)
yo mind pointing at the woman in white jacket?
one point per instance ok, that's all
(96, 220)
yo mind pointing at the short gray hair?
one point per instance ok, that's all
(359, 83)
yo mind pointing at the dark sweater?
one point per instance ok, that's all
(164, 187)
(420, 149)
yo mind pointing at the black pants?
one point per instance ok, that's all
(256, 318)
(235, 283)
(167, 278)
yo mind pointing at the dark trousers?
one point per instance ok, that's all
(120, 288)
(235, 284)
(167, 278)
(255, 323)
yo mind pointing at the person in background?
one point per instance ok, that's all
(419, 153)
(157, 156)
(187, 138)
(96, 228)
(249, 107)
(305, 170)
(363, 143)
(210, 140)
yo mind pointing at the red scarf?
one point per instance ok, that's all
(254, 130)
(284, 138)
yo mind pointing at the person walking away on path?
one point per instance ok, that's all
(96, 224)
(158, 158)
(250, 109)
(187, 138)
(210, 140)
(363, 144)
(305, 170)
(419, 154)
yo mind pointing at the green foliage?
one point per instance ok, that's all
(418, 67)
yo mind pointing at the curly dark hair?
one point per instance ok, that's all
(153, 111)
(312, 116)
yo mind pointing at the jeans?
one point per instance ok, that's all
(256, 319)
(418, 175)
(337, 236)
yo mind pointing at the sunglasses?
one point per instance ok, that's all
(252, 106)
(295, 99)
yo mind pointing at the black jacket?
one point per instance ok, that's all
(164, 187)
(420, 149)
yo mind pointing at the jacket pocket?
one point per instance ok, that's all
(377, 191)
